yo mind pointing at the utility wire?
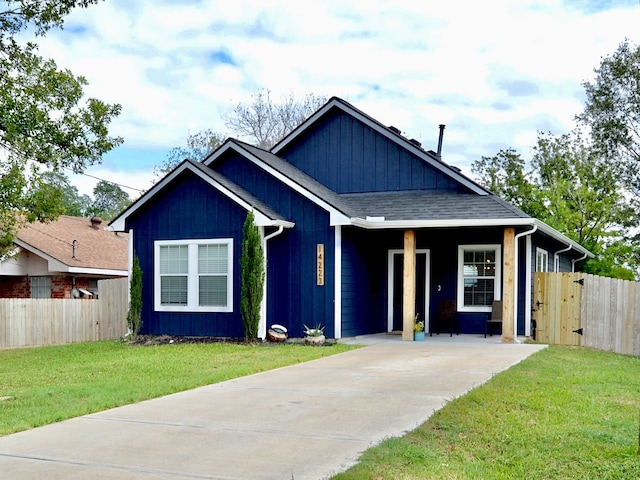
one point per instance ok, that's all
(108, 181)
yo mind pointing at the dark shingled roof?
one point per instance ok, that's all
(301, 178)
(431, 205)
(404, 205)
(238, 190)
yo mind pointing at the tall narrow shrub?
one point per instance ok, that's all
(134, 316)
(251, 278)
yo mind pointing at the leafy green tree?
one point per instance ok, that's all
(265, 121)
(612, 109)
(55, 186)
(108, 200)
(44, 119)
(251, 277)
(198, 146)
(506, 175)
(592, 200)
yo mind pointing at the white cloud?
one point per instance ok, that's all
(495, 72)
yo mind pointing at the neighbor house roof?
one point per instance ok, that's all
(75, 245)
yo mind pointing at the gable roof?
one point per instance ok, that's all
(426, 156)
(95, 251)
(264, 215)
(396, 209)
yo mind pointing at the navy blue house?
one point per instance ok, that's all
(362, 229)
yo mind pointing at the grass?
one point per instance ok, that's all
(564, 413)
(48, 384)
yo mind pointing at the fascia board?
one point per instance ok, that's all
(386, 133)
(496, 222)
(99, 271)
(552, 232)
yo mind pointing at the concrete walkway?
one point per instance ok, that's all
(307, 421)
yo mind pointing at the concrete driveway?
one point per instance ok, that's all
(307, 421)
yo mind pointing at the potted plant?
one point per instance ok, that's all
(418, 329)
(315, 335)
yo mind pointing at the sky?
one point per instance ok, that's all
(495, 73)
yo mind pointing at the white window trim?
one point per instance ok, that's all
(192, 276)
(498, 278)
(546, 256)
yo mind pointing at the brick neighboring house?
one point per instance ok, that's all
(62, 259)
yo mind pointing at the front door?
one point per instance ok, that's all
(396, 265)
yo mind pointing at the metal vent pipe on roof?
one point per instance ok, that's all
(439, 152)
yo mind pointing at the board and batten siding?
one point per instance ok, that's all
(349, 157)
(294, 297)
(189, 208)
(364, 280)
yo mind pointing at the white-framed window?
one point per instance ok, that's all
(193, 275)
(478, 277)
(40, 287)
(542, 260)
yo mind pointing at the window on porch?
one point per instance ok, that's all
(478, 277)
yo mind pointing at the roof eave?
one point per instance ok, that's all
(261, 219)
(442, 223)
(552, 232)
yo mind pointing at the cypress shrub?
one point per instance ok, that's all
(251, 278)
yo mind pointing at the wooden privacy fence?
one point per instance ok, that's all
(605, 310)
(26, 322)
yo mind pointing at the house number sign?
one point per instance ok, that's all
(320, 264)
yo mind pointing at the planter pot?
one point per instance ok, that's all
(318, 340)
(418, 336)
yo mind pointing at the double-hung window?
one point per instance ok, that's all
(478, 277)
(194, 275)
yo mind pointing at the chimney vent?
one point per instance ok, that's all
(95, 222)
(439, 153)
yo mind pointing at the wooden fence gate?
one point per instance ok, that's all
(587, 310)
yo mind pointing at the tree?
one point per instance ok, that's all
(591, 199)
(108, 200)
(198, 146)
(55, 186)
(251, 277)
(612, 109)
(135, 299)
(267, 122)
(505, 175)
(44, 123)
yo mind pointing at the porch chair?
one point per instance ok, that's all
(494, 319)
(446, 316)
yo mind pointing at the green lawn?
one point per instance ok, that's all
(48, 384)
(564, 413)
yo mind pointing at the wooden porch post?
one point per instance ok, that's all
(409, 285)
(508, 285)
